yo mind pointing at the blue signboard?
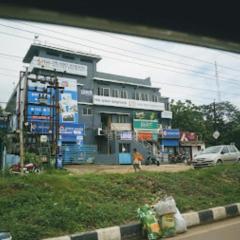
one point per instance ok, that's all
(40, 112)
(38, 109)
(171, 133)
(38, 97)
(170, 142)
(72, 132)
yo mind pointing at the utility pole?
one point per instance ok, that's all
(216, 133)
(23, 88)
(214, 115)
(57, 119)
(217, 83)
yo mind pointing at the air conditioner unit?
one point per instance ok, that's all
(100, 132)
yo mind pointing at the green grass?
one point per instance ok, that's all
(57, 203)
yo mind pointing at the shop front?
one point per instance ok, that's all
(146, 128)
(169, 143)
(190, 144)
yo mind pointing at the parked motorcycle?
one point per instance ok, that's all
(27, 168)
(152, 160)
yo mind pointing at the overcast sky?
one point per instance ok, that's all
(181, 71)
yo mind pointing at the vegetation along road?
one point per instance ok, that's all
(55, 203)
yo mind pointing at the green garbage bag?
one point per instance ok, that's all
(149, 221)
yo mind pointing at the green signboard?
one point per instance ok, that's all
(145, 124)
(145, 115)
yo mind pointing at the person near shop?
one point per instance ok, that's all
(137, 159)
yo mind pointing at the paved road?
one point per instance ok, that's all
(223, 230)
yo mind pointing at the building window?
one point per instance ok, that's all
(106, 92)
(146, 97)
(154, 98)
(103, 92)
(123, 93)
(51, 53)
(122, 119)
(86, 111)
(137, 97)
(68, 57)
(115, 93)
(142, 96)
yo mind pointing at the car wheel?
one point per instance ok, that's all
(219, 162)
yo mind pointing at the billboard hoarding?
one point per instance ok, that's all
(145, 115)
(145, 124)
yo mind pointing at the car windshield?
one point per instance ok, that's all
(212, 150)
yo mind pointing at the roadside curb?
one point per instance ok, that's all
(127, 231)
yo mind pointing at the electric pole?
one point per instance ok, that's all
(57, 120)
(23, 88)
(216, 133)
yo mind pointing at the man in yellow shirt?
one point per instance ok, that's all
(137, 159)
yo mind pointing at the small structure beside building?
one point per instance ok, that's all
(190, 144)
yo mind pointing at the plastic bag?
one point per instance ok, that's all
(180, 222)
(168, 225)
(165, 206)
(149, 222)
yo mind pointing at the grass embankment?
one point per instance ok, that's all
(57, 203)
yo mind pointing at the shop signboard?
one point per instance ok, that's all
(145, 115)
(145, 124)
(38, 111)
(166, 114)
(127, 103)
(40, 126)
(38, 86)
(145, 136)
(126, 135)
(171, 133)
(188, 137)
(71, 132)
(38, 97)
(121, 126)
(58, 66)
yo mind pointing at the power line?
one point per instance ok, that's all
(143, 65)
(10, 55)
(163, 50)
(65, 40)
(172, 71)
(177, 85)
(107, 45)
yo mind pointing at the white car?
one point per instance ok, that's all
(216, 155)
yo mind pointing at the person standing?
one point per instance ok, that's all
(137, 159)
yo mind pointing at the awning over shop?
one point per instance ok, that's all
(170, 142)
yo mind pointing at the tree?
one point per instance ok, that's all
(188, 117)
(227, 120)
(202, 120)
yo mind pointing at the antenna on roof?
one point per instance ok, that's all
(35, 40)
